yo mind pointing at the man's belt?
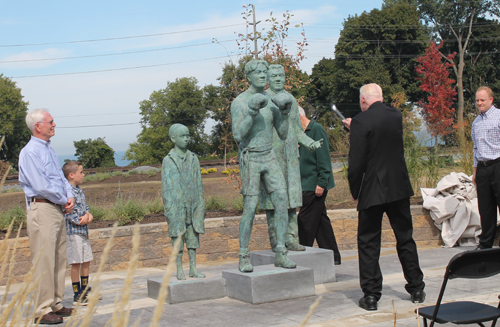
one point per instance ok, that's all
(489, 162)
(41, 200)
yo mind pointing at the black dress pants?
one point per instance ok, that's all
(488, 200)
(369, 241)
(314, 223)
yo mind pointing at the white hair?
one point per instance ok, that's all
(301, 111)
(35, 116)
(371, 91)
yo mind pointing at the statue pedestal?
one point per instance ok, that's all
(268, 283)
(189, 290)
(319, 260)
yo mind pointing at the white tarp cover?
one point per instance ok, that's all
(453, 206)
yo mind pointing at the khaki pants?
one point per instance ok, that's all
(47, 236)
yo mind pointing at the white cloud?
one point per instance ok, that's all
(311, 16)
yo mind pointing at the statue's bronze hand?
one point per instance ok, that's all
(257, 102)
(283, 101)
(316, 145)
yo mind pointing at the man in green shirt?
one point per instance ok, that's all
(317, 178)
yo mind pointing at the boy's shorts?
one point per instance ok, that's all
(190, 237)
(78, 249)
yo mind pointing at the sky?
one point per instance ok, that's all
(91, 63)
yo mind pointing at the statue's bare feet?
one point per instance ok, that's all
(282, 260)
(196, 274)
(295, 247)
(245, 264)
(180, 274)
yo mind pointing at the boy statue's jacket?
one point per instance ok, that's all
(182, 192)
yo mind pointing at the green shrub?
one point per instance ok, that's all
(126, 175)
(238, 203)
(117, 173)
(132, 172)
(103, 177)
(151, 173)
(90, 178)
(215, 203)
(155, 206)
(126, 211)
(17, 213)
(99, 213)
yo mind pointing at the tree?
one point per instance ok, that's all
(438, 111)
(12, 121)
(94, 153)
(218, 98)
(376, 47)
(390, 3)
(180, 102)
(233, 80)
(453, 23)
(482, 60)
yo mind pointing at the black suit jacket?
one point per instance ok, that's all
(377, 170)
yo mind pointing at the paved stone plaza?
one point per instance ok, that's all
(338, 307)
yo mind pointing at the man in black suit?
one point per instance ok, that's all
(379, 180)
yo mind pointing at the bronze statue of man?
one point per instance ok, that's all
(287, 153)
(254, 116)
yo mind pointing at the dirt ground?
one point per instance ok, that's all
(141, 186)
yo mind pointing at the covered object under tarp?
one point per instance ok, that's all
(453, 207)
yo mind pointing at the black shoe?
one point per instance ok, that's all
(368, 302)
(337, 262)
(87, 293)
(82, 297)
(418, 296)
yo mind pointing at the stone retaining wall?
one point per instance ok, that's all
(220, 241)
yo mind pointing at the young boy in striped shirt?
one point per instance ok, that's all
(78, 245)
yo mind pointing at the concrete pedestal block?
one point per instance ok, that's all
(268, 283)
(320, 260)
(189, 290)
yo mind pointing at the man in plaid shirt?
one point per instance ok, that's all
(78, 249)
(486, 137)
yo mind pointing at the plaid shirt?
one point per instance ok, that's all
(72, 219)
(485, 134)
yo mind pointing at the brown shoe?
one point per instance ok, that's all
(64, 312)
(50, 319)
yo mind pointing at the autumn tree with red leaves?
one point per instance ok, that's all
(438, 111)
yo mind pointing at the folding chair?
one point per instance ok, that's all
(469, 264)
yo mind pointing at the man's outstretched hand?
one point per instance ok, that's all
(315, 145)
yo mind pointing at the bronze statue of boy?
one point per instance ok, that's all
(182, 192)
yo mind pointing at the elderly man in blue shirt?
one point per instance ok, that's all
(48, 196)
(485, 134)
